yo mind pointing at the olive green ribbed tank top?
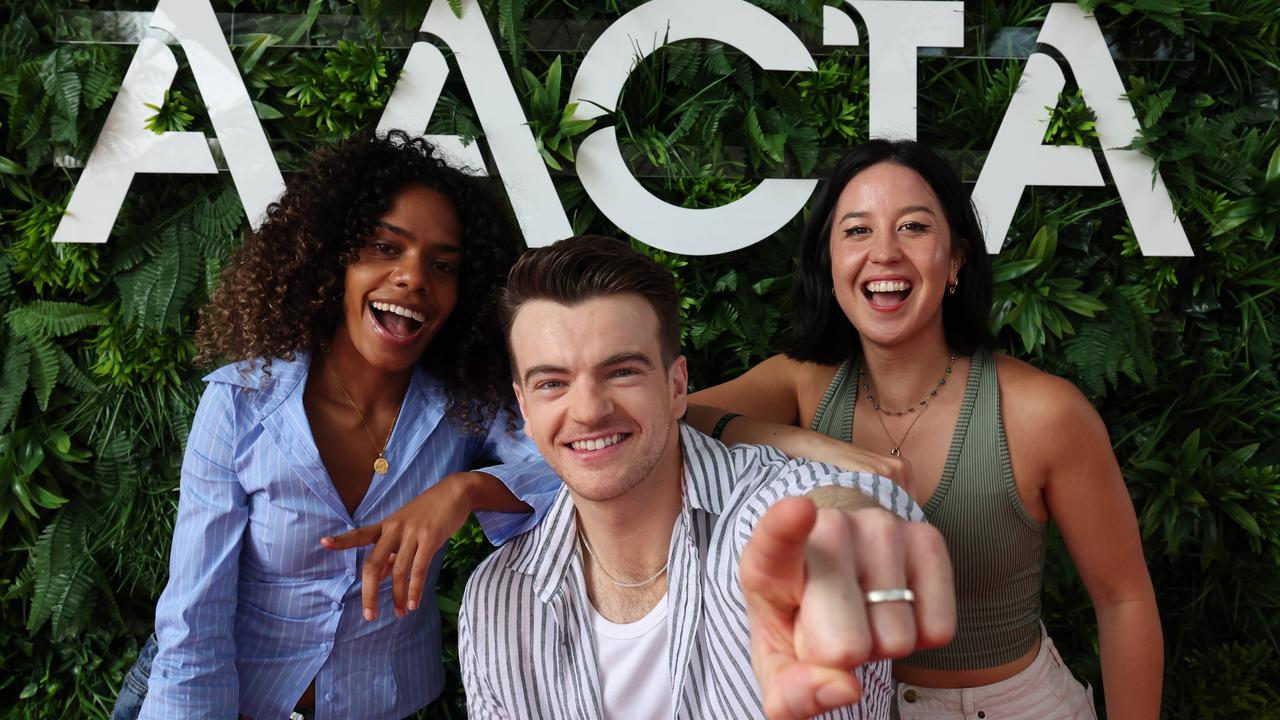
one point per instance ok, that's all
(997, 549)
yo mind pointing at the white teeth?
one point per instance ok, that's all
(399, 310)
(597, 443)
(877, 286)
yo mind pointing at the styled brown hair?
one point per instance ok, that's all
(584, 267)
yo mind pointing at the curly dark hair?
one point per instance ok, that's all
(282, 290)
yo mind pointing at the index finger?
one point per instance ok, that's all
(353, 538)
(773, 561)
(371, 577)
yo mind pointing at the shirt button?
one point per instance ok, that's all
(335, 605)
(910, 696)
(324, 646)
(351, 573)
(328, 697)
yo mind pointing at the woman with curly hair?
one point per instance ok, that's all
(349, 317)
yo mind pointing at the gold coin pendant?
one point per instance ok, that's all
(381, 466)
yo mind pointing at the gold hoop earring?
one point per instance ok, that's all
(833, 292)
(951, 286)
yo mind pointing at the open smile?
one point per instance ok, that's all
(886, 294)
(597, 446)
(397, 323)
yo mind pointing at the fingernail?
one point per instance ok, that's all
(833, 696)
(399, 612)
(413, 605)
(368, 614)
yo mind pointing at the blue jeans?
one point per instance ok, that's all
(134, 690)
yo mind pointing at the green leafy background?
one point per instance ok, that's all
(1179, 355)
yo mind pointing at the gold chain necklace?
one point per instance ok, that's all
(896, 449)
(380, 464)
(614, 580)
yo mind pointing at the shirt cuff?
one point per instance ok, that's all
(534, 483)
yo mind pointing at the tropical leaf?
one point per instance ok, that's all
(50, 318)
(44, 369)
(13, 379)
(65, 572)
(154, 295)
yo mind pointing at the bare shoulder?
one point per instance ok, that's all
(1031, 394)
(777, 390)
(809, 376)
(811, 382)
(1046, 412)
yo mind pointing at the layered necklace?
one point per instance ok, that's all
(380, 464)
(917, 409)
(620, 583)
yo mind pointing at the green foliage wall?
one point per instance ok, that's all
(1179, 355)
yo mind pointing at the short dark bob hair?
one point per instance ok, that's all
(585, 267)
(822, 332)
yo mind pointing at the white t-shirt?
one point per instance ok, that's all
(635, 678)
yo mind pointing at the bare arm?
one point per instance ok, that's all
(768, 398)
(1085, 494)
(768, 391)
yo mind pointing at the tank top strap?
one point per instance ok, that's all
(974, 396)
(834, 416)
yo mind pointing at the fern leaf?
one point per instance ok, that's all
(13, 379)
(716, 61)
(64, 573)
(99, 85)
(71, 375)
(6, 282)
(44, 369)
(50, 318)
(153, 295)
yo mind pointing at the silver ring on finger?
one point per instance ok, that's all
(889, 595)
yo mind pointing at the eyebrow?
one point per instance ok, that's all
(901, 211)
(397, 230)
(618, 359)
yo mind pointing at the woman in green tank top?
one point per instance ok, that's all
(892, 361)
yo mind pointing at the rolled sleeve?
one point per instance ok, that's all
(524, 472)
(194, 672)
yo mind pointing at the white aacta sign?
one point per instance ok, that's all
(895, 28)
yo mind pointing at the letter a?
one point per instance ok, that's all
(1015, 155)
(533, 196)
(126, 148)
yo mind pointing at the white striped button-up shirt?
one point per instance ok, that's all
(255, 608)
(525, 638)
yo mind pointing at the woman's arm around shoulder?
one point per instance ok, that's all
(777, 398)
(774, 391)
(1063, 440)
(194, 673)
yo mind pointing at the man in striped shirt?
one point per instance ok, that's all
(671, 578)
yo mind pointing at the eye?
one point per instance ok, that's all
(444, 266)
(382, 247)
(548, 385)
(913, 226)
(856, 230)
(624, 372)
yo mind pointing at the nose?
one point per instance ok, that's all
(411, 274)
(589, 403)
(885, 246)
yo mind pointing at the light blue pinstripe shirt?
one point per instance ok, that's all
(255, 607)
